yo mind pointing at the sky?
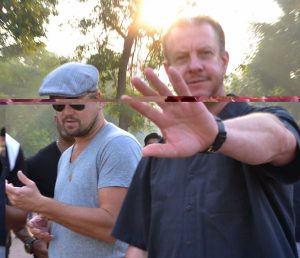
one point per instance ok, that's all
(235, 16)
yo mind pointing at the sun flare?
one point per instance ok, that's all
(235, 16)
(160, 14)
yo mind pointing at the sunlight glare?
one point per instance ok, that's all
(160, 14)
(235, 16)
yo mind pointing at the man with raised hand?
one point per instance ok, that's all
(218, 187)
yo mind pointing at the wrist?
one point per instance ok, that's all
(220, 137)
(23, 234)
(28, 244)
(41, 205)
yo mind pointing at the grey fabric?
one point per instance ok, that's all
(70, 80)
(109, 160)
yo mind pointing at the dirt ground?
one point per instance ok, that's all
(17, 249)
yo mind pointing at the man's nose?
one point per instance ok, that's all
(195, 63)
(68, 109)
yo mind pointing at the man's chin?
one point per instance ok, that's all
(71, 132)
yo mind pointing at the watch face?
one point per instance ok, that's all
(28, 245)
(28, 248)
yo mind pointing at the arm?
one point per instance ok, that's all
(93, 222)
(134, 252)
(255, 139)
(259, 138)
(15, 218)
(39, 247)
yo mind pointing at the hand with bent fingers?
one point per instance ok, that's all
(187, 127)
(27, 197)
(40, 228)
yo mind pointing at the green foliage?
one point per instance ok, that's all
(120, 23)
(35, 140)
(275, 67)
(22, 24)
(33, 131)
(31, 125)
(21, 76)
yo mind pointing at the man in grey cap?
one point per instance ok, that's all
(93, 174)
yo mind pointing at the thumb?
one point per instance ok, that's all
(159, 150)
(24, 179)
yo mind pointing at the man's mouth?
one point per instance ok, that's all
(196, 80)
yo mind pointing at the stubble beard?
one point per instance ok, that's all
(81, 132)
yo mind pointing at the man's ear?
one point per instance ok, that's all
(225, 61)
(99, 97)
(166, 66)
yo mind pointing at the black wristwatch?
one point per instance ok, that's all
(28, 245)
(220, 138)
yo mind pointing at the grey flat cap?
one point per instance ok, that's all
(70, 80)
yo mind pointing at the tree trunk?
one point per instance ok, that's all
(125, 115)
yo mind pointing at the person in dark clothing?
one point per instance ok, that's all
(152, 138)
(2, 198)
(297, 213)
(11, 161)
(220, 186)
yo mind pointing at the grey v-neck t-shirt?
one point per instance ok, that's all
(109, 160)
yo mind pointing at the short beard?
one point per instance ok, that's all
(86, 131)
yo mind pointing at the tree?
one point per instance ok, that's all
(31, 125)
(120, 20)
(275, 67)
(22, 24)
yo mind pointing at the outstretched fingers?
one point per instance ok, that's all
(156, 83)
(178, 83)
(143, 88)
(145, 109)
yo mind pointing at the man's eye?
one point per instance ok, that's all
(180, 58)
(207, 53)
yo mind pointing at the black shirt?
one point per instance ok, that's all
(297, 209)
(42, 169)
(2, 204)
(8, 172)
(209, 205)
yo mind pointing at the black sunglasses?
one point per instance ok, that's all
(61, 107)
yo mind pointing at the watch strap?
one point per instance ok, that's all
(28, 245)
(220, 138)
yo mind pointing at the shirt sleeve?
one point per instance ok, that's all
(132, 225)
(288, 173)
(117, 163)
